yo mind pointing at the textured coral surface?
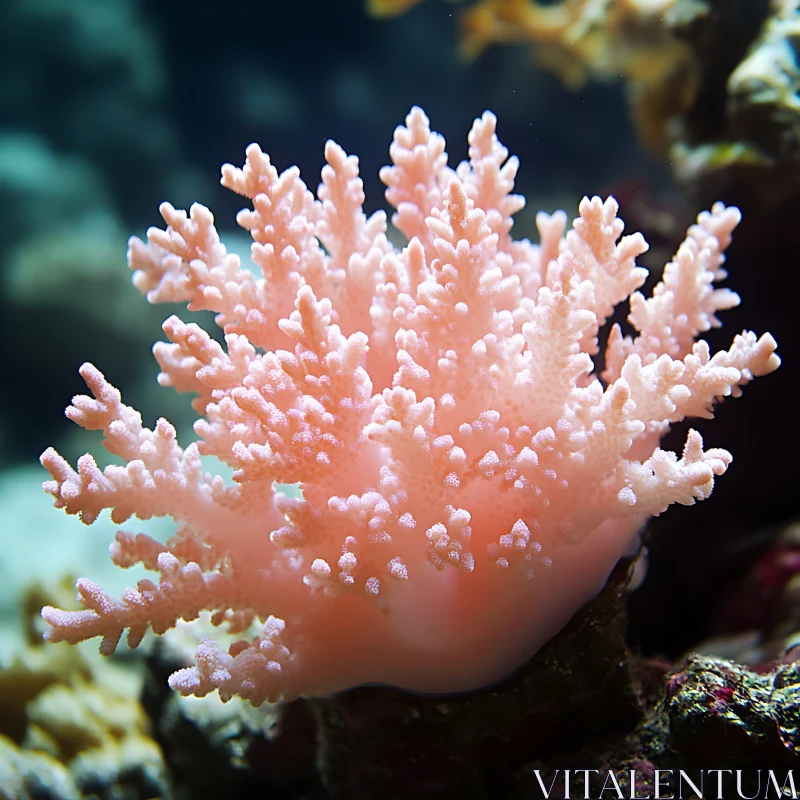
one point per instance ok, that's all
(469, 474)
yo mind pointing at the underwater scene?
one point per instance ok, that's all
(376, 417)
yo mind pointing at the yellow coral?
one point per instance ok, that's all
(578, 39)
(69, 719)
(390, 8)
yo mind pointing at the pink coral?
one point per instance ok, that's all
(468, 479)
